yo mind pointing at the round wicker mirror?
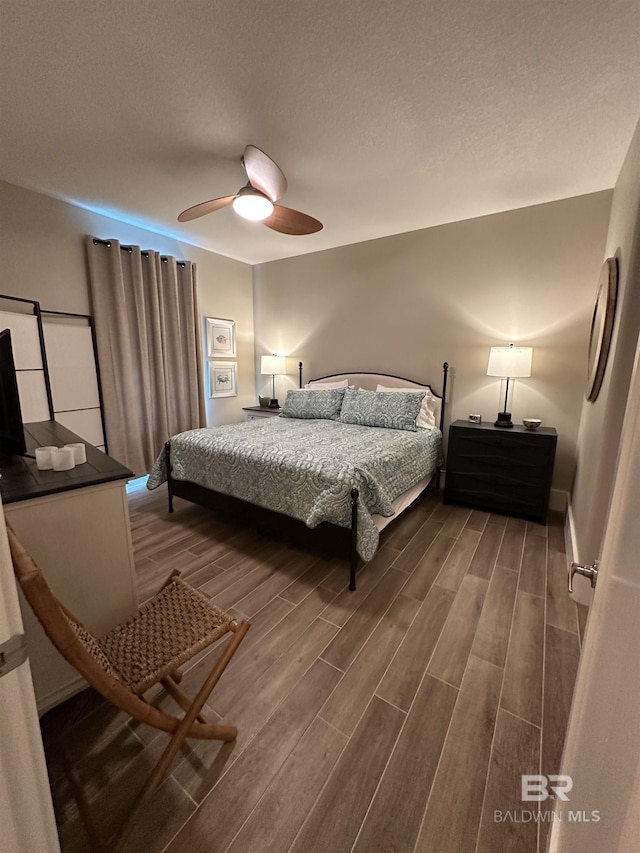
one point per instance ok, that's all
(601, 327)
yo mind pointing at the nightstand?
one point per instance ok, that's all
(252, 413)
(503, 470)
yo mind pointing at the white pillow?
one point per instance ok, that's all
(427, 415)
(325, 386)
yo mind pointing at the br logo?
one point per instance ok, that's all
(536, 788)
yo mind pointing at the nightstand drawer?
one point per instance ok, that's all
(497, 492)
(501, 444)
(521, 465)
(253, 413)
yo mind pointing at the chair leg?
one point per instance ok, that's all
(178, 696)
(226, 733)
(196, 706)
(174, 574)
(77, 790)
(176, 675)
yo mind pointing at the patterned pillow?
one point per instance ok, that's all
(323, 405)
(427, 417)
(390, 410)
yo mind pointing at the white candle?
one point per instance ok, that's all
(79, 451)
(62, 458)
(43, 457)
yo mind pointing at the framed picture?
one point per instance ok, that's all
(223, 379)
(221, 338)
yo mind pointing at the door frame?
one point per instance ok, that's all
(602, 747)
(28, 821)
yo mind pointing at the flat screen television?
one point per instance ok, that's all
(11, 428)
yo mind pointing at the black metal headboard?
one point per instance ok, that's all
(442, 397)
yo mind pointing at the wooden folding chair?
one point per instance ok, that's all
(147, 649)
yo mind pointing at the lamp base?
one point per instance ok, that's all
(274, 404)
(504, 420)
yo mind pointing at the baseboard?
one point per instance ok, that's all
(50, 700)
(570, 541)
(558, 500)
(582, 591)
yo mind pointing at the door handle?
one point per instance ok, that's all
(13, 653)
(590, 572)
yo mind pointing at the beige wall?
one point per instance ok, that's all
(404, 304)
(44, 259)
(601, 422)
(400, 304)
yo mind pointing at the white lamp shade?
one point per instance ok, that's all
(510, 362)
(273, 365)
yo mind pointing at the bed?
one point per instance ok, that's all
(344, 458)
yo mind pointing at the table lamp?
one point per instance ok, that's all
(273, 365)
(509, 363)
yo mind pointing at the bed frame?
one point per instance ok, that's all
(345, 538)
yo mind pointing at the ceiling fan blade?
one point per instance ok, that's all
(263, 173)
(205, 207)
(289, 221)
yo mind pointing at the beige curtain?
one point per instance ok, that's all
(149, 348)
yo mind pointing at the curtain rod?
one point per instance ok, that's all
(129, 249)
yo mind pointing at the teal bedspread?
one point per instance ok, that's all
(306, 468)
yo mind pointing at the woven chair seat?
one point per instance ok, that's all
(163, 634)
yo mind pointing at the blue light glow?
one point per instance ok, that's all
(133, 221)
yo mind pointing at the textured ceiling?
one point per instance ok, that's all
(385, 116)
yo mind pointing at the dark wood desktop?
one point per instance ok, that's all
(22, 480)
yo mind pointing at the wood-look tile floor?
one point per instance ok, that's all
(396, 718)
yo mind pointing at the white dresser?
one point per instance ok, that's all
(75, 525)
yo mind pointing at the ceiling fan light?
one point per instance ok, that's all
(253, 206)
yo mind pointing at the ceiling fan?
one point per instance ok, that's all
(257, 199)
